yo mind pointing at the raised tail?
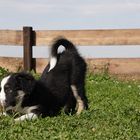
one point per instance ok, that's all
(58, 42)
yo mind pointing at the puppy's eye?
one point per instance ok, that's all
(7, 89)
(0, 88)
(10, 91)
(6, 86)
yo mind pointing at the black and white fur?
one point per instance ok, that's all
(62, 85)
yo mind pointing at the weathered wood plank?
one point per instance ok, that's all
(11, 37)
(124, 68)
(115, 66)
(91, 37)
(79, 37)
(12, 64)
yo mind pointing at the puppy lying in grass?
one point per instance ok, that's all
(62, 85)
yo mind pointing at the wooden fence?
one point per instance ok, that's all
(29, 38)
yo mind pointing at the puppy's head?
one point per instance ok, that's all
(14, 88)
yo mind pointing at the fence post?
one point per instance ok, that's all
(27, 51)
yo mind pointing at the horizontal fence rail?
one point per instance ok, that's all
(11, 37)
(91, 37)
(29, 38)
(78, 37)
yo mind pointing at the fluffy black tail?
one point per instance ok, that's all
(64, 42)
(60, 41)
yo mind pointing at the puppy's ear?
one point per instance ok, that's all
(25, 82)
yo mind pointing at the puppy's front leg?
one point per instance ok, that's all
(29, 116)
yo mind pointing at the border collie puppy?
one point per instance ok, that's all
(62, 85)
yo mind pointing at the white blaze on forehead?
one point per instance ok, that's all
(53, 62)
(2, 92)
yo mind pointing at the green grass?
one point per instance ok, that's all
(113, 114)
